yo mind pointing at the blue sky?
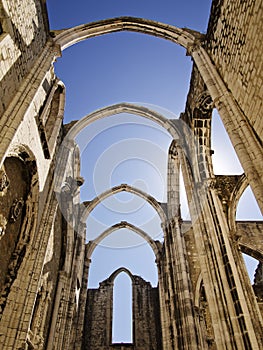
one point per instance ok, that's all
(131, 67)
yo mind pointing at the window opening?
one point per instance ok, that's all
(225, 160)
(251, 265)
(184, 207)
(247, 208)
(122, 330)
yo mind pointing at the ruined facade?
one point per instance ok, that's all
(204, 299)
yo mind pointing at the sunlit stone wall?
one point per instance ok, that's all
(235, 44)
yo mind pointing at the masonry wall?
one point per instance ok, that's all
(23, 33)
(146, 317)
(235, 42)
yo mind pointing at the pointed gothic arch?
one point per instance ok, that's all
(175, 127)
(191, 40)
(155, 245)
(181, 36)
(123, 188)
(122, 306)
(118, 271)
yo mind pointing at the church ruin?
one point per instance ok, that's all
(204, 299)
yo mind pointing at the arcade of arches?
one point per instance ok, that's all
(204, 298)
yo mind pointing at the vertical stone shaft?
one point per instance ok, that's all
(247, 146)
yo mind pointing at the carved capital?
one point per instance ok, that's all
(16, 209)
(191, 48)
(71, 185)
(204, 103)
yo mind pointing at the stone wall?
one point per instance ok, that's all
(234, 42)
(24, 34)
(146, 317)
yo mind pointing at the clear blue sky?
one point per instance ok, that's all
(130, 67)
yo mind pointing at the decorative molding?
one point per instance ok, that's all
(204, 102)
(71, 185)
(16, 209)
(4, 183)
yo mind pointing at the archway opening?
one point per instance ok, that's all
(184, 207)
(124, 206)
(251, 265)
(107, 257)
(140, 259)
(122, 313)
(247, 208)
(123, 148)
(225, 161)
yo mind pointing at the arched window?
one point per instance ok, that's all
(122, 317)
(225, 160)
(247, 208)
(251, 265)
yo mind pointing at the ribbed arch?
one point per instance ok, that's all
(122, 310)
(155, 245)
(251, 251)
(71, 36)
(120, 270)
(239, 189)
(123, 188)
(174, 127)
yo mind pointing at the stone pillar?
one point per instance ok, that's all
(241, 134)
(182, 296)
(163, 310)
(77, 344)
(170, 342)
(173, 182)
(226, 300)
(59, 336)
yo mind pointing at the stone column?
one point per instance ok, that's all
(182, 296)
(77, 345)
(241, 134)
(62, 313)
(170, 302)
(226, 300)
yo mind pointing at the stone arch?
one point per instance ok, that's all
(183, 37)
(251, 251)
(155, 245)
(235, 197)
(125, 316)
(177, 128)
(49, 118)
(174, 127)
(121, 188)
(249, 246)
(190, 40)
(120, 270)
(197, 289)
